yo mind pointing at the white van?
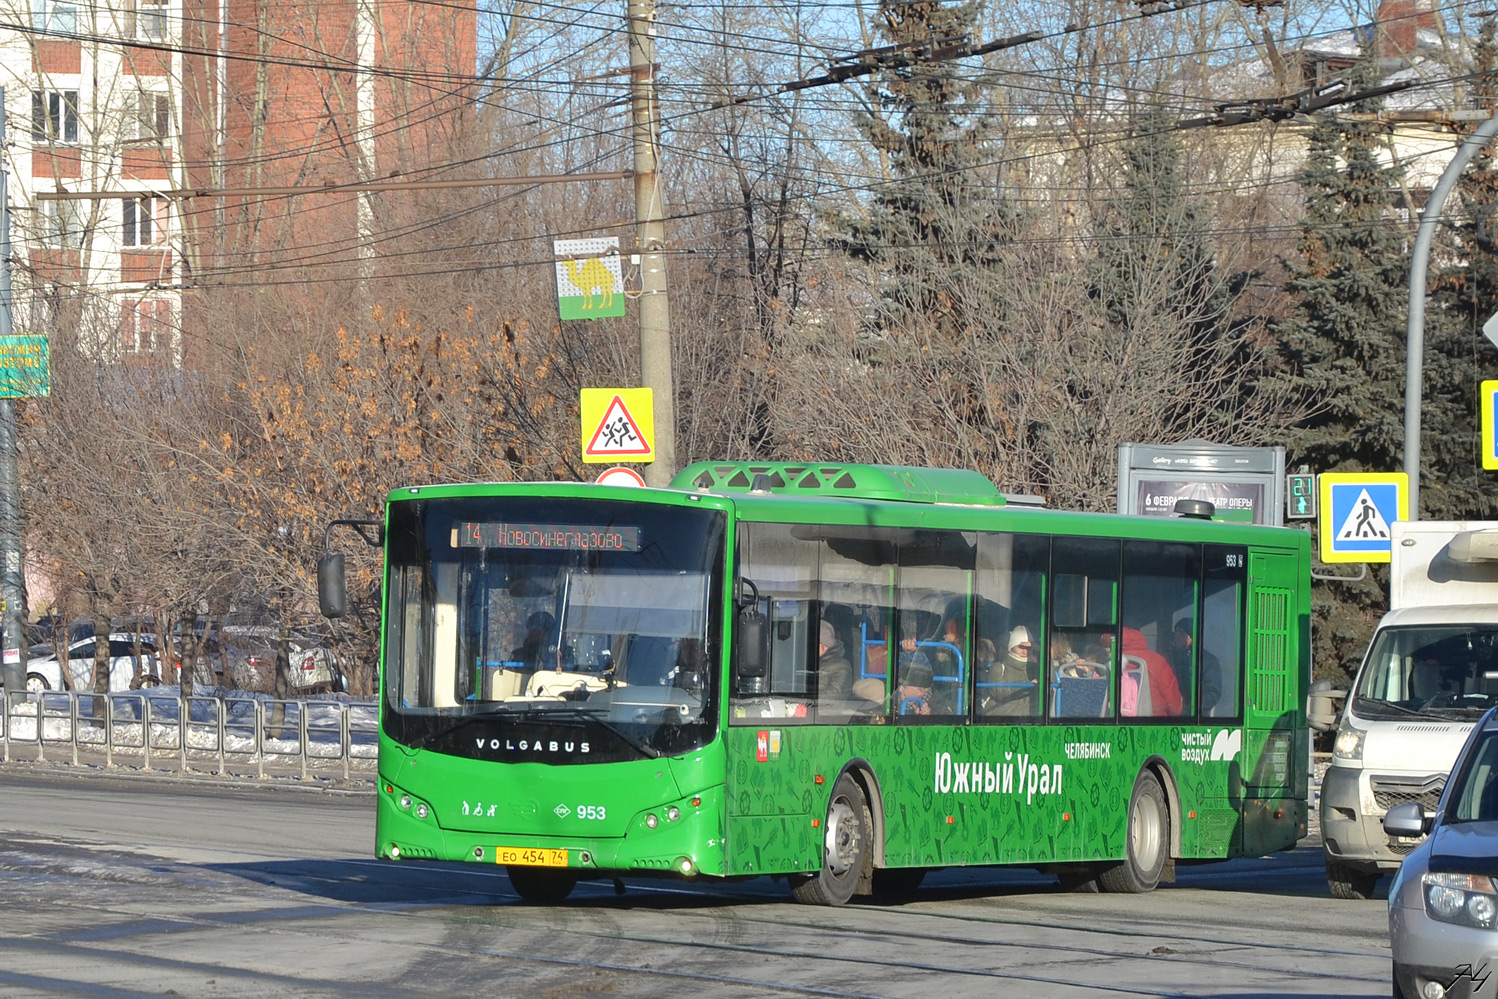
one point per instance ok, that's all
(1430, 672)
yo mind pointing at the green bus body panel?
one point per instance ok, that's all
(976, 795)
(868, 482)
(941, 795)
(599, 809)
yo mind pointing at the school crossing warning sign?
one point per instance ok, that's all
(1355, 513)
(618, 425)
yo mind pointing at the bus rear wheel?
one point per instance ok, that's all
(1147, 841)
(845, 853)
(542, 885)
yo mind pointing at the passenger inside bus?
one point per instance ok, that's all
(913, 695)
(1149, 687)
(538, 635)
(834, 672)
(1009, 685)
(1183, 642)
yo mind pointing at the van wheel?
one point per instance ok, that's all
(845, 851)
(541, 885)
(36, 683)
(1350, 882)
(1147, 841)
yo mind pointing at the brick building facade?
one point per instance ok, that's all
(145, 98)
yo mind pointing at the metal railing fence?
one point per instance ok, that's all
(227, 735)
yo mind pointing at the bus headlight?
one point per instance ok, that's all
(1349, 744)
(405, 802)
(1465, 899)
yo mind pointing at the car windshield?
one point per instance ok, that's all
(1474, 797)
(1437, 671)
(535, 621)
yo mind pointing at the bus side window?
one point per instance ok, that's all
(1011, 576)
(1084, 592)
(855, 569)
(781, 567)
(1160, 584)
(1220, 631)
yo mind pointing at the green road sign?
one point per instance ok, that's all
(24, 370)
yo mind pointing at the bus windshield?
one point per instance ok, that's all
(560, 631)
(1439, 671)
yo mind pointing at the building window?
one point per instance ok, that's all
(146, 325)
(54, 115)
(54, 17)
(150, 20)
(145, 221)
(148, 116)
(60, 223)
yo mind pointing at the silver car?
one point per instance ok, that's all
(1443, 906)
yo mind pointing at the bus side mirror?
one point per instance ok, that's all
(332, 590)
(752, 652)
(1321, 707)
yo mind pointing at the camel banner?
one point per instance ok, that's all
(590, 283)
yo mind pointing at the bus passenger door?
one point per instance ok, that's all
(1272, 764)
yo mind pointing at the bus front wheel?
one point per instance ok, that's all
(542, 885)
(1147, 841)
(845, 852)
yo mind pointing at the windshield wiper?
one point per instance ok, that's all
(1367, 705)
(592, 714)
(424, 741)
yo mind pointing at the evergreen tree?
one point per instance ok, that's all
(935, 238)
(1345, 340)
(939, 222)
(1344, 344)
(1464, 295)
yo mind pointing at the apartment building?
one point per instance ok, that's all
(129, 101)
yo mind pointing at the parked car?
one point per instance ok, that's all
(127, 671)
(251, 661)
(313, 665)
(1443, 906)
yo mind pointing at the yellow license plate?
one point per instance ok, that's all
(530, 856)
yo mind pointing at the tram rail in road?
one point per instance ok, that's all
(147, 887)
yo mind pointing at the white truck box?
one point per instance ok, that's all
(1430, 671)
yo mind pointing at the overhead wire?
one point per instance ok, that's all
(850, 188)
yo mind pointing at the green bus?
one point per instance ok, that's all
(840, 675)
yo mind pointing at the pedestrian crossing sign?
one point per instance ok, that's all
(1356, 510)
(1488, 407)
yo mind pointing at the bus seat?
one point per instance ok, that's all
(1425, 681)
(1082, 697)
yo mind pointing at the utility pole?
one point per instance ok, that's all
(650, 241)
(13, 648)
(1414, 363)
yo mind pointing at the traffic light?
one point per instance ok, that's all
(1300, 496)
